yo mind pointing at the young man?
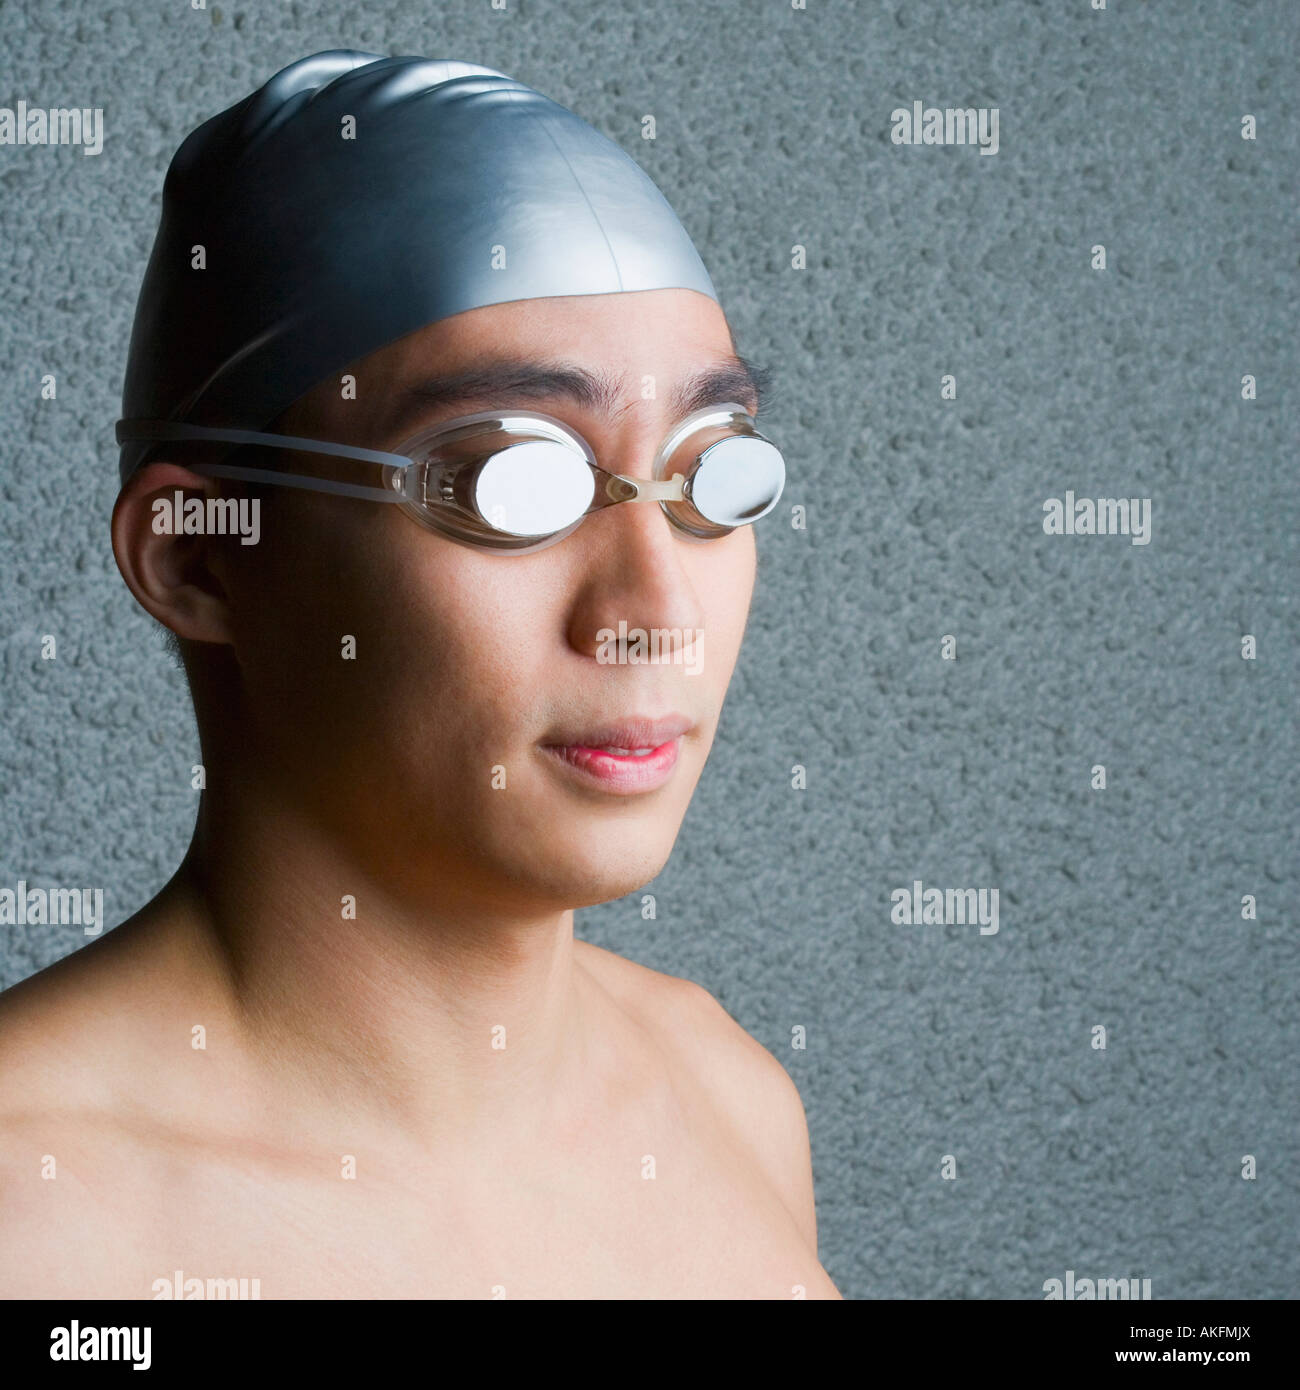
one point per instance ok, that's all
(353, 1049)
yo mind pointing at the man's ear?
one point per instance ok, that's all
(175, 578)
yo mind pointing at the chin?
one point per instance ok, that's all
(602, 873)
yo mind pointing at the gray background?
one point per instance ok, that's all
(1119, 907)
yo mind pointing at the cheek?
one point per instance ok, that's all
(724, 580)
(459, 650)
(340, 636)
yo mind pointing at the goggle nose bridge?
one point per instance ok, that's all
(620, 488)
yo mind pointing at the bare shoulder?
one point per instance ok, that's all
(751, 1091)
(49, 1216)
(48, 1028)
(82, 1070)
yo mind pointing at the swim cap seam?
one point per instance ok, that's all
(604, 236)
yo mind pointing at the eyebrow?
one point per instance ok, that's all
(508, 381)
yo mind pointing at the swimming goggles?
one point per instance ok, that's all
(517, 481)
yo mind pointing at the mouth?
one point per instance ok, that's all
(632, 756)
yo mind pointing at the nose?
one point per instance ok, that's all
(636, 576)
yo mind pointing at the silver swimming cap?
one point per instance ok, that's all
(461, 187)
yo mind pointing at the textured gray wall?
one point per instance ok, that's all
(1118, 907)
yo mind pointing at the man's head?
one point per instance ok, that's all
(353, 199)
(409, 695)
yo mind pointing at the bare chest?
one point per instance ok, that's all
(686, 1221)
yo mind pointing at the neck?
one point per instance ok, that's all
(426, 1012)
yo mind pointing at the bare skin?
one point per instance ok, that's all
(446, 1095)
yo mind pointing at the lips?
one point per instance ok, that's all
(632, 755)
(626, 734)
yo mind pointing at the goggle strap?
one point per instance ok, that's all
(267, 475)
(159, 431)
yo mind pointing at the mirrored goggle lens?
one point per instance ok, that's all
(533, 489)
(737, 481)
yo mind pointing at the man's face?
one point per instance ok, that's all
(430, 756)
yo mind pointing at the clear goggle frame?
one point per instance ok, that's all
(517, 481)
